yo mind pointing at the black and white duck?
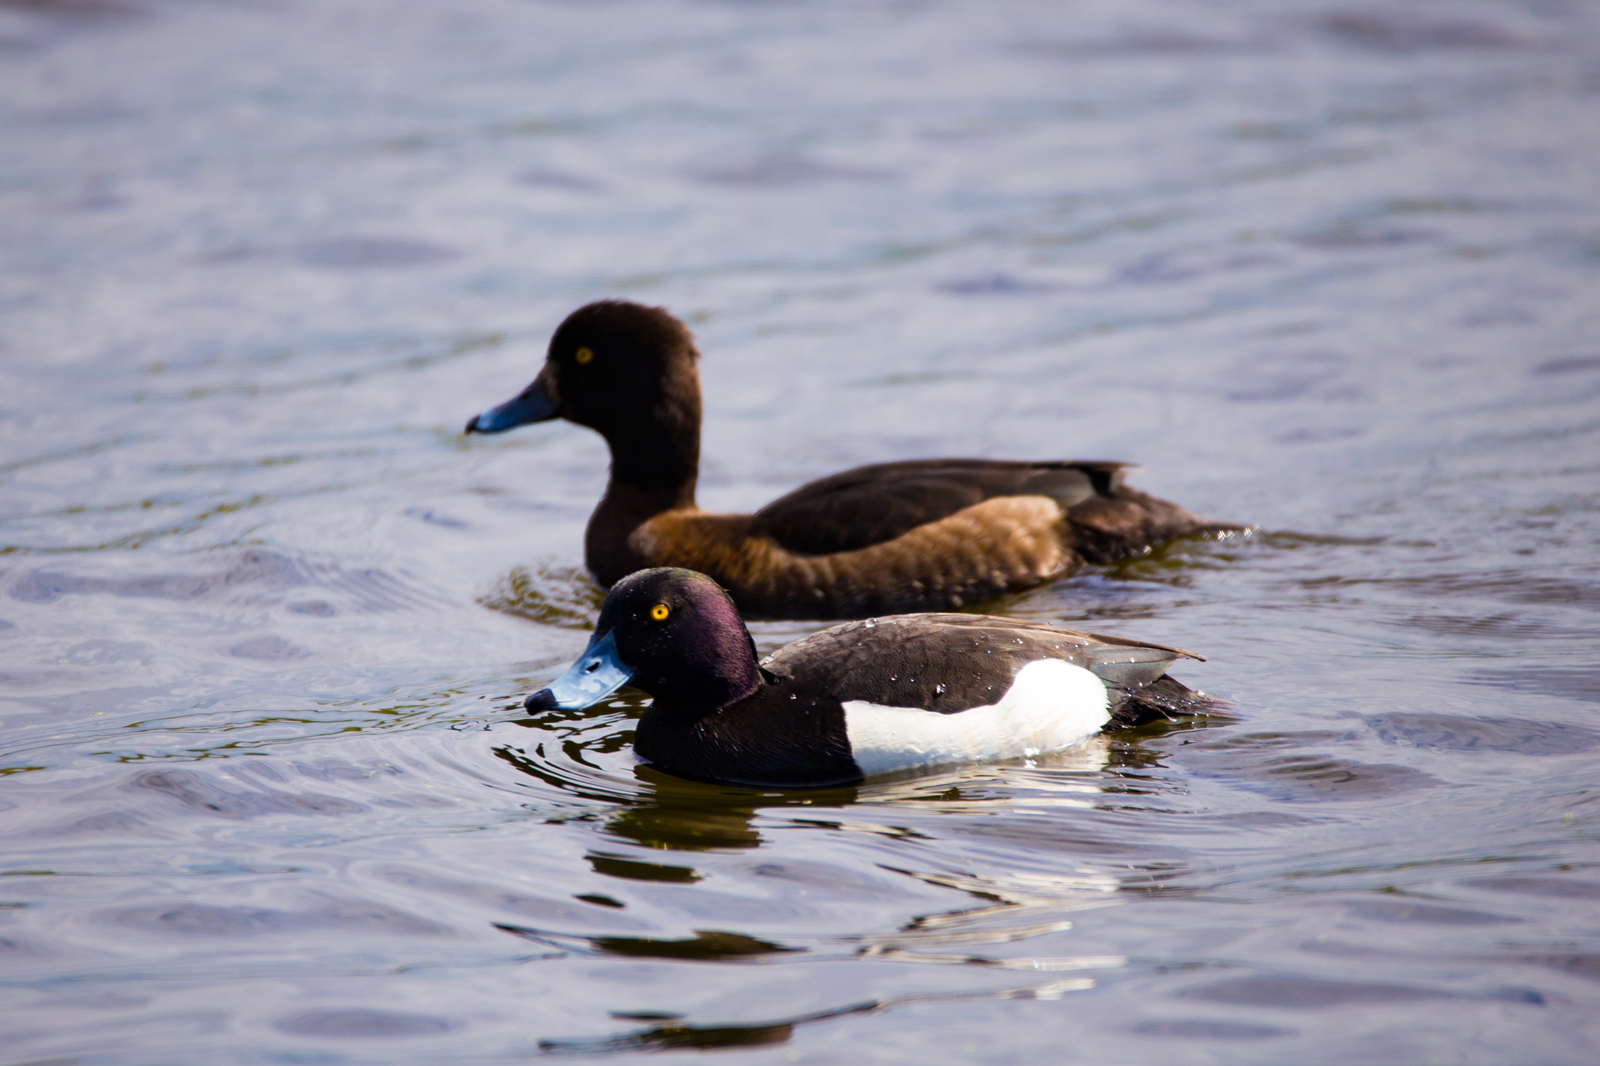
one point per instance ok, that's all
(863, 698)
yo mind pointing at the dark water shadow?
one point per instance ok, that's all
(253, 574)
(783, 169)
(1298, 992)
(997, 284)
(548, 178)
(234, 922)
(1572, 364)
(77, 9)
(1276, 765)
(36, 25)
(1288, 990)
(1578, 964)
(1569, 682)
(1210, 1029)
(1548, 887)
(572, 777)
(706, 945)
(1407, 911)
(630, 870)
(204, 794)
(1455, 733)
(363, 1023)
(1159, 42)
(679, 1035)
(1402, 33)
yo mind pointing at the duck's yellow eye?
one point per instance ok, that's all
(659, 612)
(584, 356)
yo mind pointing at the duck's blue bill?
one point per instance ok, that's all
(534, 405)
(597, 674)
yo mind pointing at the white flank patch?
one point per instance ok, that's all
(1051, 705)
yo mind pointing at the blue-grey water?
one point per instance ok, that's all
(1328, 267)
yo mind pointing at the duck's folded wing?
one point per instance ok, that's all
(872, 504)
(949, 663)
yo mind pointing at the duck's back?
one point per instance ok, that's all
(872, 504)
(948, 663)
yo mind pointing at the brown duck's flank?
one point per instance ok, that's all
(975, 554)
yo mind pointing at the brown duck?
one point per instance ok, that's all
(920, 535)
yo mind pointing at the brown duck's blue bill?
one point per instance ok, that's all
(534, 405)
(597, 674)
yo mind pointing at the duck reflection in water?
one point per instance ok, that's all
(678, 815)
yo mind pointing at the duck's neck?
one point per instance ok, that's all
(708, 695)
(654, 469)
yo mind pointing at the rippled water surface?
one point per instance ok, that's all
(266, 616)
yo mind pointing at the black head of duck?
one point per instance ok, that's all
(859, 699)
(925, 534)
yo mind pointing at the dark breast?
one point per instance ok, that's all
(767, 739)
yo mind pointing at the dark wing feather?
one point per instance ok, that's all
(872, 504)
(952, 662)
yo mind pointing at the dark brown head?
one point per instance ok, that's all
(628, 372)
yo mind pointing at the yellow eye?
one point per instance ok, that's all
(584, 356)
(659, 612)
